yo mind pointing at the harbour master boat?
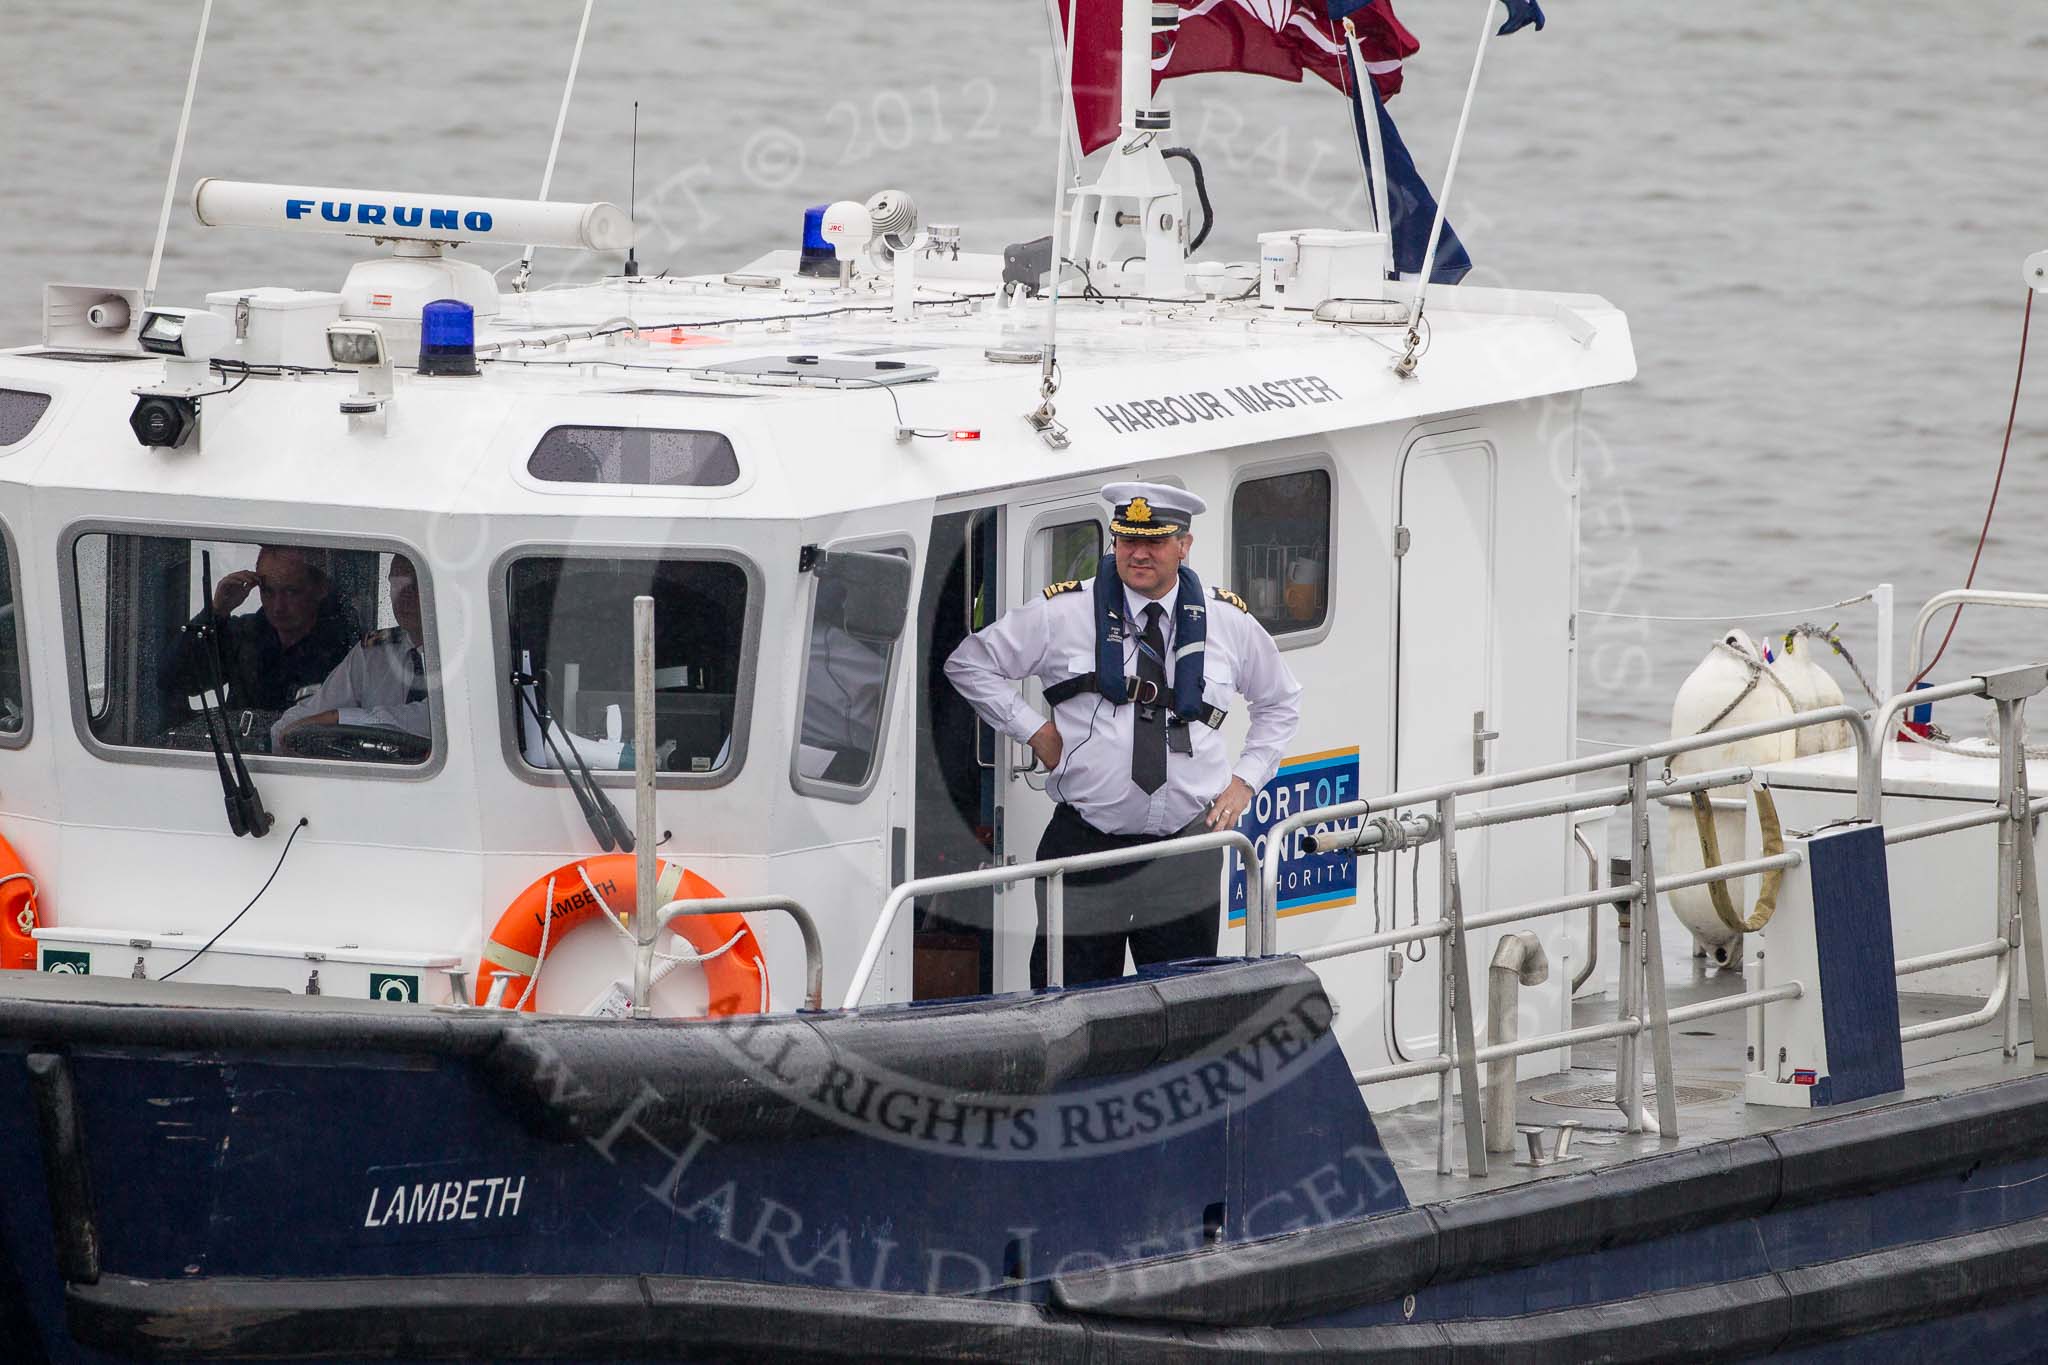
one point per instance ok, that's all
(631, 960)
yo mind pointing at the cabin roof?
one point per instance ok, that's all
(1140, 383)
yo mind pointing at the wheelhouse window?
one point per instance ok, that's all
(1070, 551)
(300, 651)
(634, 455)
(20, 410)
(859, 602)
(13, 680)
(569, 623)
(1280, 550)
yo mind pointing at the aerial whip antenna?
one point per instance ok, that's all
(547, 177)
(633, 196)
(163, 218)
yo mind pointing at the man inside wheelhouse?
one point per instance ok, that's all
(165, 662)
(272, 655)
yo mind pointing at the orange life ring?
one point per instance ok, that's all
(18, 919)
(737, 978)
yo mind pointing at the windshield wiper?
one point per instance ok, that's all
(246, 814)
(604, 819)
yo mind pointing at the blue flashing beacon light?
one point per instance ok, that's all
(819, 259)
(447, 338)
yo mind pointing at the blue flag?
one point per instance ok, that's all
(1521, 14)
(1409, 202)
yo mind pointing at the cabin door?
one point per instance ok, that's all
(1443, 692)
(1051, 541)
(956, 822)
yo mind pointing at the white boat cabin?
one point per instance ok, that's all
(1412, 543)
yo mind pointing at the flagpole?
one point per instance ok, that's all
(1376, 173)
(1405, 366)
(1042, 418)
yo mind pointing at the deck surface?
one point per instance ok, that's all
(1708, 1063)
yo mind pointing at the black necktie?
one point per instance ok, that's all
(415, 676)
(1148, 738)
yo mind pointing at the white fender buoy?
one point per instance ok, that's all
(1703, 703)
(1812, 687)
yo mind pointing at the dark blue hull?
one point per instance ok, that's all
(1173, 1166)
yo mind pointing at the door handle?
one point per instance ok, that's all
(1480, 736)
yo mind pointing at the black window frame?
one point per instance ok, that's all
(10, 563)
(74, 660)
(746, 678)
(824, 788)
(1285, 634)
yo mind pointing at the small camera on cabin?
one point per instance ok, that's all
(166, 423)
(166, 415)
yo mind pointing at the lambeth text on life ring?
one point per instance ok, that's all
(17, 912)
(736, 979)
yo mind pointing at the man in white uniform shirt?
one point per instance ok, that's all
(382, 682)
(1140, 672)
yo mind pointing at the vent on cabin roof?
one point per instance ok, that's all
(820, 371)
(685, 393)
(634, 455)
(84, 357)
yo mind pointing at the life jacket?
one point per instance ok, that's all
(1191, 636)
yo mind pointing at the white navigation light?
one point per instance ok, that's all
(404, 215)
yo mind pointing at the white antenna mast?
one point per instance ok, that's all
(1405, 366)
(547, 177)
(1043, 418)
(163, 218)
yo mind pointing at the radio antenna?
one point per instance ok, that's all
(633, 197)
(163, 218)
(547, 177)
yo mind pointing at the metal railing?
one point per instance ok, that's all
(1054, 872)
(814, 952)
(1642, 1006)
(1959, 598)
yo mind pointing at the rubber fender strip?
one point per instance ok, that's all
(515, 1317)
(64, 1175)
(1374, 1259)
(416, 1030)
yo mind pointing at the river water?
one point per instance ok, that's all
(1813, 214)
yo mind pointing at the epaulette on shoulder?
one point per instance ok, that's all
(1226, 595)
(1071, 585)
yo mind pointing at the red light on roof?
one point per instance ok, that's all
(964, 434)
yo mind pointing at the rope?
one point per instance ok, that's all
(669, 961)
(1984, 748)
(1731, 615)
(1710, 855)
(540, 959)
(1418, 948)
(27, 918)
(1834, 641)
(2026, 326)
(1757, 673)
